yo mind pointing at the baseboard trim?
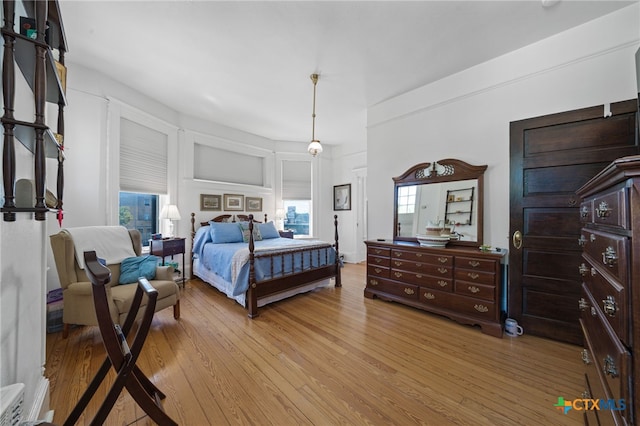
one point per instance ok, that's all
(40, 407)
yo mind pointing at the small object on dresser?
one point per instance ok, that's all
(156, 237)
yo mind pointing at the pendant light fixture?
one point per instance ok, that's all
(314, 147)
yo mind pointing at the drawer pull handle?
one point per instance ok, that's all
(474, 263)
(609, 306)
(397, 254)
(594, 272)
(443, 270)
(373, 282)
(397, 263)
(585, 357)
(583, 269)
(378, 251)
(398, 274)
(409, 290)
(480, 308)
(418, 275)
(586, 394)
(592, 237)
(378, 260)
(609, 367)
(473, 289)
(442, 283)
(584, 212)
(443, 259)
(594, 311)
(609, 257)
(473, 275)
(418, 254)
(429, 296)
(378, 270)
(583, 304)
(582, 241)
(603, 210)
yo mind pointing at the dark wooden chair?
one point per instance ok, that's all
(119, 355)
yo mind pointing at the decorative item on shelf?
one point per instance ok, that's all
(28, 28)
(314, 147)
(171, 212)
(253, 204)
(62, 75)
(485, 248)
(433, 240)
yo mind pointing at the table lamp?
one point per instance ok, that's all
(170, 211)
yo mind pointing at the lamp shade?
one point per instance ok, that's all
(314, 147)
(170, 211)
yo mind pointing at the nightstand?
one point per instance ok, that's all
(169, 247)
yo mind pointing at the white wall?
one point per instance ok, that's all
(467, 115)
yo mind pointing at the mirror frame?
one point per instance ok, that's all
(447, 170)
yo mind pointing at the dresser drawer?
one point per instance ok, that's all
(424, 268)
(379, 251)
(475, 264)
(437, 283)
(475, 276)
(595, 387)
(478, 308)
(608, 252)
(430, 258)
(422, 279)
(378, 261)
(378, 271)
(611, 358)
(611, 297)
(611, 209)
(407, 291)
(481, 291)
(435, 298)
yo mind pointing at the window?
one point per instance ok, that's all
(296, 216)
(296, 196)
(139, 211)
(406, 199)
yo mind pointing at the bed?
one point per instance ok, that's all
(251, 263)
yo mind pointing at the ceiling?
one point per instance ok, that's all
(246, 64)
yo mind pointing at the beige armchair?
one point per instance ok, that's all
(77, 291)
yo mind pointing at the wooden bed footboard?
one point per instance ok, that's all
(272, 286)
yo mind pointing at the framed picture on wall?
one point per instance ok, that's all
(253, 204)
(210, 202)
(233, 202)
(342, 197)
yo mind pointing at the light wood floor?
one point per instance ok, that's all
(325, 358)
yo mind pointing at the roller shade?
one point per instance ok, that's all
(296, 180)
(143, 159)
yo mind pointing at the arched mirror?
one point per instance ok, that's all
(447, 193)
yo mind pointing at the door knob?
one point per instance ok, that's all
(517, 240)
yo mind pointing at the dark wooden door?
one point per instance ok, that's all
(551, 157)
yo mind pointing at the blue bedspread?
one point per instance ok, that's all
(230, 260)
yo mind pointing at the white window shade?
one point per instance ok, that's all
(296, 180)
(220, 165)
(143, 159)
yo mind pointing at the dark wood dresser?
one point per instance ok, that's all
(461, 283)
(610, 300)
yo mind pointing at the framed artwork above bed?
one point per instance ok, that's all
(210, 202)
(253, 204)
(233, 202)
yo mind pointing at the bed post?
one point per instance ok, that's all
(338, 277)
(252, 297)
(193, 236)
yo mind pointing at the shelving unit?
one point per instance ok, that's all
(459, 206)
(37, 64)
